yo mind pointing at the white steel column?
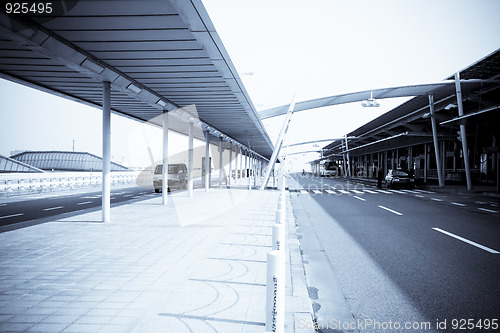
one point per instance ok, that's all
(106, 151)
(207, 162)
(221, 165)
(190, 159)
(463, 134)
(348, 157)
(236, 165)
(435, 139)
(164, 185)
(230, 163)
(246, 164)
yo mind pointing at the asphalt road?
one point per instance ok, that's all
(39, 208)
(402, 256)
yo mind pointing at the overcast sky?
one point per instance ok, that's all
(309, 48)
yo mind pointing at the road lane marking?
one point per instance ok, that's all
(355, 196)
(1, 205)
(435, 199)
(357, 192)
(395, 191)
(370, 191)
(390, 210)
(488, 210)
(13, 215)
(317, 192)
(128, 195)
(329, 191)
(420, 196)
(423, 191)
(343, 191)
(304, 192)
(458, 204)
(84, 203)
(467, 241)
(53, 208)
(382, 191)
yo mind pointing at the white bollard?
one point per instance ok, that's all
(275, 292)
(279, 236)
(280, 215)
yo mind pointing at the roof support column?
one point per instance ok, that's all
(278, 145)
(348, 158)
(190, 159)
(106, 151)
(207, 162)
(436, 143)
(221, 165)
(230, 163)
(463, 134)
(236, 165)
(164, 174)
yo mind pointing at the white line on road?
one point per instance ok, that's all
(128, 195)
(355, 196)
(13, 215)
(370, 191)
(467, 241)
(317, 192)
(329, 191)
(423, 191)
(382, 191)
(1, 205)
(53, 208)
(84, 203)
(390, 210)
(343, 191)
(435, 199)
(458, 204)
(357, 192)
(304, 192)
(488, 210)
(420, 196)
(395, 191)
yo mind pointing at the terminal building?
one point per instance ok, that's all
(403, 137)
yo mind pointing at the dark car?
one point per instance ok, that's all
(399, 178)
(177, 176)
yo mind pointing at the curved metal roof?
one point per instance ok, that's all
(65, 161)
(157, 54)
(438, 88)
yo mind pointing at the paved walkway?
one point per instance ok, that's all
(196, 265)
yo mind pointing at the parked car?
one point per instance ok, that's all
(399, 178)
(177, 176)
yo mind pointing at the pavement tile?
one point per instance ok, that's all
(83, 328)
(47, 328)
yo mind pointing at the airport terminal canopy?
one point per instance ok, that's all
(409, 123)
(157, 54)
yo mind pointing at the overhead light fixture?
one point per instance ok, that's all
(370, 102)
(162, 103)
(134, 88)
(92, 66)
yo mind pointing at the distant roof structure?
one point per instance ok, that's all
(64, 161)
(409, 122)
(158, 55)
(8, 165)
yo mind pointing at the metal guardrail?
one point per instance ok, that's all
(35, 182)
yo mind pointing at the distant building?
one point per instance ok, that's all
(64, 161)
(8, 165)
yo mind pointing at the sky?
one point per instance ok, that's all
(309, 49)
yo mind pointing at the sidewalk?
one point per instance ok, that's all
(196, 265)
